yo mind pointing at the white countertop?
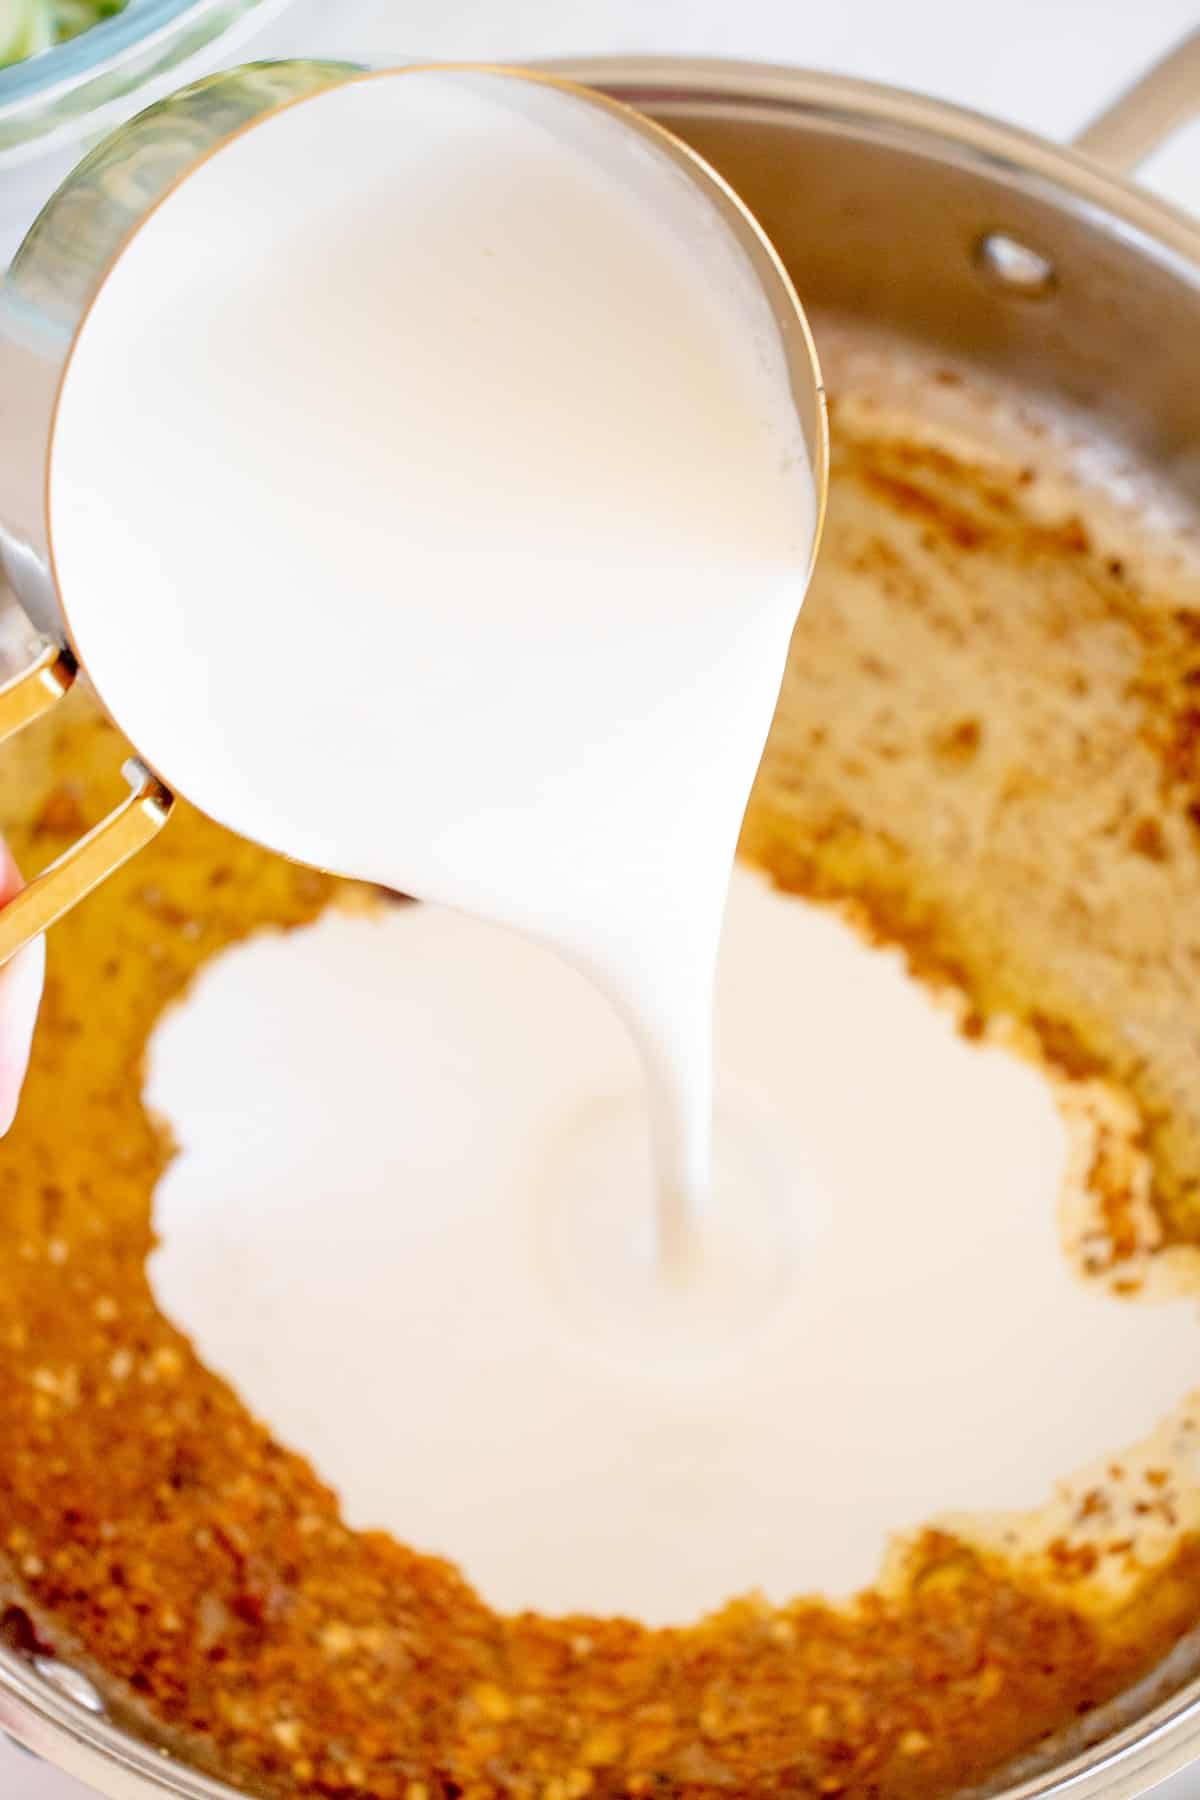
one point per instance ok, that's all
(1047, 64)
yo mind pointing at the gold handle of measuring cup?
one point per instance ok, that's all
(44, 297)
(101, 853)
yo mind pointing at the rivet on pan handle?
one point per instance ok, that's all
(98, 855)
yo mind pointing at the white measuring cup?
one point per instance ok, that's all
(73, 252)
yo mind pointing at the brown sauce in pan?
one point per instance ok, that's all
(988, 748)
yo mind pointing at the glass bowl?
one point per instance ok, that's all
(55, 105)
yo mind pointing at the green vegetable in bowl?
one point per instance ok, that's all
(28, 26)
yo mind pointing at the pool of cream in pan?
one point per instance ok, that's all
(369, 1235)
(376, 1279)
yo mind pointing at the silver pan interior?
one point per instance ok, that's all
(882, 205)
(1073, 333)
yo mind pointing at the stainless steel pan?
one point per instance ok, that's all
(1045, 265)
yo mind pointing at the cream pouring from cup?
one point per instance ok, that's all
(73, 251)
(503, 384)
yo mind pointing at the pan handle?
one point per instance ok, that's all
(1150, 112)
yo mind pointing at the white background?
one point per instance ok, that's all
(1046, 64)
